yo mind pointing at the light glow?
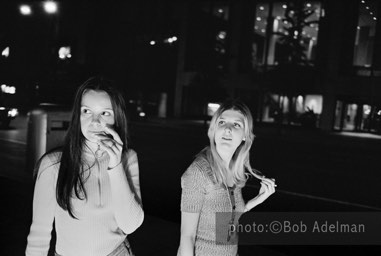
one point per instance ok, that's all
(212, 108)
(367, 109)
(13, 112)
(64, 52)
(25, 9)
(222, 35)
(50, 7)
(8, 89)
(5, 52)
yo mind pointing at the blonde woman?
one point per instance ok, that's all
(213, 183)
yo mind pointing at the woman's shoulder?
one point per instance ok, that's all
(130, 153)
(201, 163)
(53, 156)
(199, 170)
(131, 157)
(49, 161)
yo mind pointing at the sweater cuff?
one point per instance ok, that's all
(111, 168)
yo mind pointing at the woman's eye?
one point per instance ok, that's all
(221, 122)
(237, 125)
(86, 111)
(106, 113)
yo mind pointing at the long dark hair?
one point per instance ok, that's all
(71, 178)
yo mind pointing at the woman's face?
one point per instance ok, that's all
(230, 130)
(96, 113)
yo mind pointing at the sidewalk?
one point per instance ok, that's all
(156, 236)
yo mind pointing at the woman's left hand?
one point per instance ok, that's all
(113, 146)
(266, 190)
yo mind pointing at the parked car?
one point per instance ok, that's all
(7, 114)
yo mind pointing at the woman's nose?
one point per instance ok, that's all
(228, 128)
(96, 119)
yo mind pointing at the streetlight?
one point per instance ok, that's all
(25, 9)
(50, 7)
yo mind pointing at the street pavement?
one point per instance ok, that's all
(315, 172)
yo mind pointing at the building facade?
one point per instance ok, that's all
(302, 63)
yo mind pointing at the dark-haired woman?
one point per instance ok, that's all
(89, 189)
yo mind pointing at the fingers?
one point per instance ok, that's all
(269, 185)
(114, 134)
(268, 189)
(111, 146)
(271, 180)
(107, 141)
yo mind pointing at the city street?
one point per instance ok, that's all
(315, 172)
(307, 71)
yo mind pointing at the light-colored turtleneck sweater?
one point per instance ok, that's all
(111, 211)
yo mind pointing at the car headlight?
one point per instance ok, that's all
(13, 112)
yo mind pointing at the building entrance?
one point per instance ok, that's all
(357, 117)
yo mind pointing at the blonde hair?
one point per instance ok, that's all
(241, 157)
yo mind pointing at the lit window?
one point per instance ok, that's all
(277, 42)
(367, 109)
(365, 33)
(314, 103)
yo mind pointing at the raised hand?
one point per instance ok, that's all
(113, 146)
(266, 190)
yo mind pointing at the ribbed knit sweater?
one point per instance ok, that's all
(201, 194)
(111, 211)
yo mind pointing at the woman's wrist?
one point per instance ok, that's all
(251, 204)
(110, 168)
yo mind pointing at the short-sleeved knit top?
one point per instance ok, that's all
(201, 194)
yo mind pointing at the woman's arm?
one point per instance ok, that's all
(133, 171)
(44, 205)
(128, 212)
(189, 223)
(193, 184)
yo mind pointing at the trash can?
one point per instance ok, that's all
(47, 126)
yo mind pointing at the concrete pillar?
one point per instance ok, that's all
(327, 116)
(162, 111)
(36, 137)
